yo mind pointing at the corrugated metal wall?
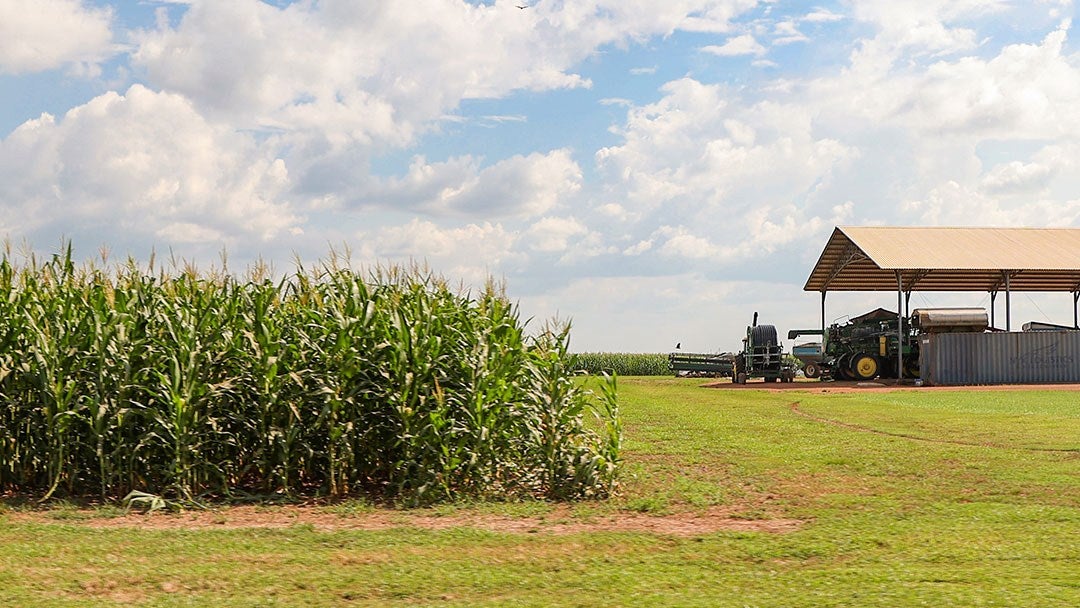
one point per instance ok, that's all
(1000, 358)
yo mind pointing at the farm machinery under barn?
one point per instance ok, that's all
(870, 346)
(762, 356)
(695, 364)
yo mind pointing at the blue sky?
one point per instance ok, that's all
(653, 171)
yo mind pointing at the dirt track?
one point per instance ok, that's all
(559, 521)
(840, 386)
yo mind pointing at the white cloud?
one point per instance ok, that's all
(821, 15)
(639, 248)
(787, 32)
(553, 234)
(380, 71)
(38, 35)
(146, 164)
(472, 252)
(1027, 91)
(699, 157)
(519, 186)
(739, 45)
(954, 204)
(1017, 176)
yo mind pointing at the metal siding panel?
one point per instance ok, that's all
(1002, 358)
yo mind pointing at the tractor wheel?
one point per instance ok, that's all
(840, 369)
(811, 370)
(864, 366)
(888, 367)
(911, 367)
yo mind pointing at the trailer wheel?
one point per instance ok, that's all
(864, 366)
(811, 370)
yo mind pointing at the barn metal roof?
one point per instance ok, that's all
(866, 258)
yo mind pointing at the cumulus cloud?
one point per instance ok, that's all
(739, 45)
(518, 186)
(1027, 88)
(787, 32)
(821, 15)
(1017, 176)
(142, 163)
(472, 252)
(701, 158)
(919, 126)
(918, 28)
(38, 35)
(956, 204)
(379, 72)
(553, 234)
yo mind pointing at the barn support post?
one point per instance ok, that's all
(907, 303)
(1076, 302)
(993, 296)
(1008, 303)
(899, 326)
(823, 318)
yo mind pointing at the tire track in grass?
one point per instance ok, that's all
(795, 408)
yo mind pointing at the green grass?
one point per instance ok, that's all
(888, 520)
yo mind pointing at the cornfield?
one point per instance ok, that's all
(116, 378)
(622, 364)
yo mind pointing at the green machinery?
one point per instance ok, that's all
(869, 346)
(697, 365)
(762, 356)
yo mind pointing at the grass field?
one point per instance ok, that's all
(967, 498)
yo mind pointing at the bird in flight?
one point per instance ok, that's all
(520, 6)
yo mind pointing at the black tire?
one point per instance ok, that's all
(911, 367)
(811, 370)
(840, 367)
(864, 366)
(888, 367)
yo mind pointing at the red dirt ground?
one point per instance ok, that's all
(840, 386)
(559, 521)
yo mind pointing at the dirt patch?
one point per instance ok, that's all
(880, 386)
(559, 521)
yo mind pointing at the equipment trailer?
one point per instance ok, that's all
(693, 364)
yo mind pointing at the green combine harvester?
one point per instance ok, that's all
(869, 346)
